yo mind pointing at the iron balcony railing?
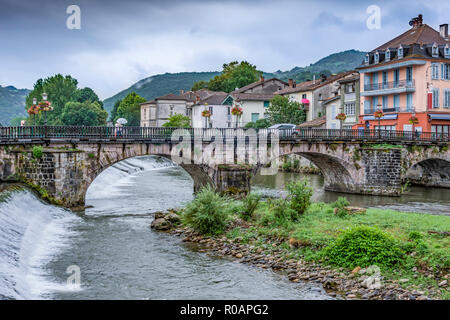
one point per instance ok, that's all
(390, 85)
(370, 110)
(154, 134)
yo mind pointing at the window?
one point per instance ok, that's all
(374, 103)
(440, 129)
(366, 59)
(350, 88)
(396, 77)
(210, 110)
(385, 79)
(409, 74)
(385, 102)
(367, 109)
(387, 128)
(304, 96)
(255, 116)
(445, 71)
(350, 109)
(266, 104)
(400, 52)
(228, 111)
(171, 110)
(396, 102)
(446, 98)
(435, 98)
(435, 51)
(375, 80)
(434, 71)
(377, 57)
(447, 51)
(409, 106)
(333, 112)
(388, 55)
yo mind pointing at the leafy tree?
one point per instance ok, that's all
(113, 114)
(177, 121)
(130, 109)
(200, 85)
(258, 124)
(282, 110)
(87, 94)
(85, 113)
(234, 75)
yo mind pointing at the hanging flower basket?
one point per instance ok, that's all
(305, 101)
(206, 113)
(33, 110)
(378, 114)
(236, 111)
(45, 106)
(413, 120)
(341, 116)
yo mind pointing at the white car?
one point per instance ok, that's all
(285, 129)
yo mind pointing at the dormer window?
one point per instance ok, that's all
(400, 52)
(366, 59)
(447, 51)
(435, 51)
(377, 57)
(388, 55)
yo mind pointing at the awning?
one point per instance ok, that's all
(386, 117)
(439, 116)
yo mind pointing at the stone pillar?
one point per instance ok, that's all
(234, 180)
(382, 171)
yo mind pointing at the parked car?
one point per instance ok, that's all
(285, 129)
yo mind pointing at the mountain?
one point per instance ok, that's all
(163, 84)
(12, 103)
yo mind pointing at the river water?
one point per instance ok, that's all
(119, 257)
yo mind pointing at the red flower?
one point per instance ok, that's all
(341, 116)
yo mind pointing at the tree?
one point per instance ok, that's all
(258, 124)
(85, 113)
(282, 110)
(234, 75)
(87, 94)
(177, 121)
(130, 109)
(199, 85)
(113, 114)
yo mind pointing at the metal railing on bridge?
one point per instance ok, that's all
(33, 133)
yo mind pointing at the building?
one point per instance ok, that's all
(254, 99)
(148, 114)
(312, 93)
(350, 99)
(220, 115)
(408, 78)
(318, 123)
(332, 108)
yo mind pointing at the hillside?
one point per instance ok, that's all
(162, 84)
(12, 103)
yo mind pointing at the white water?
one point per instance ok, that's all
(32, 232)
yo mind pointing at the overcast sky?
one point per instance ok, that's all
(121, 42)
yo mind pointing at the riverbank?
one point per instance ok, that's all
(298, 249)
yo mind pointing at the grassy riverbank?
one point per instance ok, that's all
(412, 250)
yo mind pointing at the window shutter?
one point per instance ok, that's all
(442, 71)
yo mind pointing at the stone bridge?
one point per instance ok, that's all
(61, 168)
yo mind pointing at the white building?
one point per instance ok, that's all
(220, 115)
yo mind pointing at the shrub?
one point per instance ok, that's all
(299, 196)
(340, 204)
(364, 246)
(249, 205)
(37, 152)
(287, 166)
(281, 210)
(296, 164)
(207, 213)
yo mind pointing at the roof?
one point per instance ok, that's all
(257, 83)
(252, 96)
(423, 34)
(350, 79)
(314, 123)
(312, 85)
(328, 100)
(216, 98)
(171, 96)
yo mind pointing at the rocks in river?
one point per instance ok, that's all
(165, 221)
(352, 210)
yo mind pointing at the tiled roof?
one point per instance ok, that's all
(215, 98)
(311, 85)
(328, 100)
(314, 123)
(255, 84)
(171, 96)
(423, 34)
(252, 96)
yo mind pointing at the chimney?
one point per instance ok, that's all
(291, 83)
(314, 79)
(443, 30)
(294, 84)
(181, 92)
(262, 79)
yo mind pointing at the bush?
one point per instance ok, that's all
(249, 205)
(364, 246)
(287, 166)
(281, 210)
(296, 164)
(207, 213)
(37, 152)
(340, 204)
(299, 196)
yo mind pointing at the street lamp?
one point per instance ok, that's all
(45, 107)
(379, 114)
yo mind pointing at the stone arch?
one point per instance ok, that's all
(433, 172)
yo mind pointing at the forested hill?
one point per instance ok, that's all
(12, 103)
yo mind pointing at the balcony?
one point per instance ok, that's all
(388, 110)
(385, 88)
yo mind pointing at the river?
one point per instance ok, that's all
(120, 257)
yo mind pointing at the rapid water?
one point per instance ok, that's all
(118, 255)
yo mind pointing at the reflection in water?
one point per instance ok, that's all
(418, 199)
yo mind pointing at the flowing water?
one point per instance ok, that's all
(120, 257)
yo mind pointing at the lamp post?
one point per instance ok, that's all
(44, 97)
(379, 114)
(34, 106)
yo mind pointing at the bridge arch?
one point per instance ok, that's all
(433, 172)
